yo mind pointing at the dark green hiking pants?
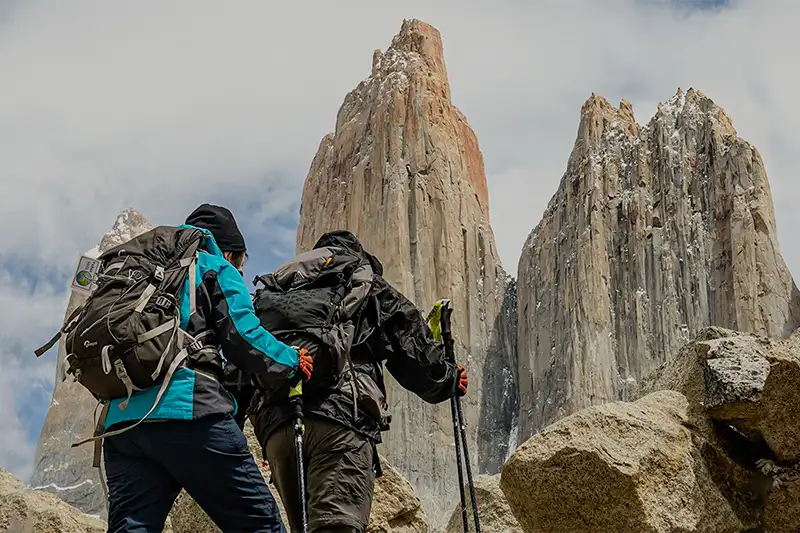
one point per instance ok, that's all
(339, 472)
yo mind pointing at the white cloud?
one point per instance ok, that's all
(29, 314)
(165, 105)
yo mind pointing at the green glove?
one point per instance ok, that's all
(435, 318)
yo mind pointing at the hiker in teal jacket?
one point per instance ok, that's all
(191, 440)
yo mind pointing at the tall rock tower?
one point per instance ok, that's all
(653, 233)
(404, 173)
(66, 471)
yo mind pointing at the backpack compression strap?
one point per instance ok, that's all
(66, 328)
(189, 260)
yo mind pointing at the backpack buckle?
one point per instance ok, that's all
(195, 347)
(164, 303)
(159, 274)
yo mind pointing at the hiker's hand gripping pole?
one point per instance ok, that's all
(459, 427)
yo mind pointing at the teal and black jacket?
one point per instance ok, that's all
(223, 306)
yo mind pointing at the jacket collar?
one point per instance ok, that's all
(209, 244)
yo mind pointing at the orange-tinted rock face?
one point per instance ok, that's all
(474, 161)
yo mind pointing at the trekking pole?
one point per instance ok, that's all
(296, 399)
(457, 438)
(459, 427)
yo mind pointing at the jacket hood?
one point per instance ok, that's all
(345, 239)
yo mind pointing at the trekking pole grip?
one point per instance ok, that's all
(296, 399)
(447, 331)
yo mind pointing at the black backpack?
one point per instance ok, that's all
(313, 301)
(126, 336)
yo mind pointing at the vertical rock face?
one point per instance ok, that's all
(65, 471)
(654, 233)
(403, 172)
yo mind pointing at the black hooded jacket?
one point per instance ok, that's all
(391, 331)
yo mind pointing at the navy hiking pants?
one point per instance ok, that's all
(147, 466)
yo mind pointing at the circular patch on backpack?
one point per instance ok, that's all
(83, 278)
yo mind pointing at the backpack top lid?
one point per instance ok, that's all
(345, 239)
(160, 245)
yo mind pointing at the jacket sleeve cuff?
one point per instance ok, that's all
(291, 354)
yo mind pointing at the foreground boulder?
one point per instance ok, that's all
(29, 511)
(493, 509)
(396, 508)
(749, 382)
(744, 396)
(782, 507)
(622, 467)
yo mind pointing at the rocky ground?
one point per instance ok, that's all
(26, 511)
(712, 445)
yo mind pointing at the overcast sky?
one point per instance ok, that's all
(163, 105)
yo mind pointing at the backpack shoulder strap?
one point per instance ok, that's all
(358, 288)
(189, 259)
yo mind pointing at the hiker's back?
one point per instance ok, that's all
(334, 301)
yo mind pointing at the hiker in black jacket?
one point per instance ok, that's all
(339, 448)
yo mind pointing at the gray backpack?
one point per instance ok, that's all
(313, 301)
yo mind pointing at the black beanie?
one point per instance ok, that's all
(220, 222)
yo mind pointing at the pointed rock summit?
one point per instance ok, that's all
(60, 469)
(404, 173)
(654, 233)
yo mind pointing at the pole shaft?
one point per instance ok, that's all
(460, 432)
(298, 446)
(457, 438)
(468, 466)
